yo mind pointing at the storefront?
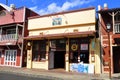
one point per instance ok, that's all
(63, 40)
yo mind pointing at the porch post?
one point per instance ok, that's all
(29, 55)
(47, 55)
(113, 21)
(16, 36)
(1, 34)
(67, 56)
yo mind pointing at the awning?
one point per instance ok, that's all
(49, 36)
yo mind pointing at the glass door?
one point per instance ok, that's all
(10, 57)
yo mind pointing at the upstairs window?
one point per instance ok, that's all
(117, 23)
(117, 28)
(11, 31)
(117, 18)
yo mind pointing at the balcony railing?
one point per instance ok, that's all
(117, 28)
(9, 37)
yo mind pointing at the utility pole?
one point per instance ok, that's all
(6, 2)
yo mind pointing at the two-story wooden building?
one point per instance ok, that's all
(13, 27)
(110, 40)
(61, 39)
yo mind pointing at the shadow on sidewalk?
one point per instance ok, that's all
(116, 78)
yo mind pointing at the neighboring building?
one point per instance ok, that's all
(110, 54)
(13, 27)
(61, 39)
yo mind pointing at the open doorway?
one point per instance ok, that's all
(116, 59)
(59, 59)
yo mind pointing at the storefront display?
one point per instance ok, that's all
(82, 68)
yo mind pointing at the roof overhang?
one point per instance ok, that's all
(5, 7)
(60, 35)
(108, 10)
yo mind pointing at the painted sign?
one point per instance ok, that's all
(82, 68)
(57, 21)
(74, 47)
(84, 47)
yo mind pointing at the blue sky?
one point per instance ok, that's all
(52, 6)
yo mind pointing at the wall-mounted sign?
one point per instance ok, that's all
(82, 68)
(93, 44)
(74, 47)
(57, 21)
(84, 47)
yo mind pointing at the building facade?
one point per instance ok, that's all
(62, 39)
(13, 27)
(110, 40)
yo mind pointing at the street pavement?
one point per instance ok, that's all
(56, 74)
(11, 76)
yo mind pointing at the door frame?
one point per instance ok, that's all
(10, 57)
(0, 57)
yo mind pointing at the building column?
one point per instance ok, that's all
(95, 55)
(29, 55)
(47, 55)
(67, 56)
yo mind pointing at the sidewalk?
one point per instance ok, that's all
(55, 74)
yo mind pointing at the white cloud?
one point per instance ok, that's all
(53, 7)
(34, 8)
(34, 1)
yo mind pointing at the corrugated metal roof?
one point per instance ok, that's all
(109, 10)
(5, 7)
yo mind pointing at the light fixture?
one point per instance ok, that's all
(108, 26)
(29, 43)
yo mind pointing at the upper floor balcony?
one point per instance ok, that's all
(11, 34)
(9, 37)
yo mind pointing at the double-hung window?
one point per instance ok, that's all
(117, 23)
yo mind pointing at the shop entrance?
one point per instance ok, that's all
(59, 59)
(10, 57)
(116, 59)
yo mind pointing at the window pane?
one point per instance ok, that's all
(42, 55)
(42, 45)
(15, 55)
(39, 50)
(11, 31)
(35, 50)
